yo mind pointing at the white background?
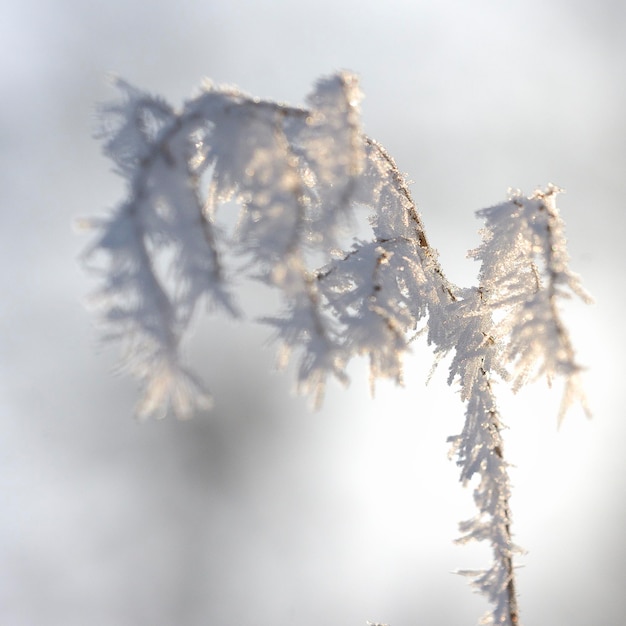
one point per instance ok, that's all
(263, 512)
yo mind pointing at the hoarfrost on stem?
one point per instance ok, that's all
(524, 274)
(297, 174)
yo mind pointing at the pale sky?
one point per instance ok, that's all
(264, 512)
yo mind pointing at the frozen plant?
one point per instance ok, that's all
(297, 175)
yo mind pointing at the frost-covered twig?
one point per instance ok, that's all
(524, 274)
(297, 174)
(479, 451)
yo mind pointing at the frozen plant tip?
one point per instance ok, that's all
(297, 175)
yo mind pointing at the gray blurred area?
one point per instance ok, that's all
(264, 512)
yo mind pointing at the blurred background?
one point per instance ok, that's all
(263, 512)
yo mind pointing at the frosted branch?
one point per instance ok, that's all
(296, 175)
